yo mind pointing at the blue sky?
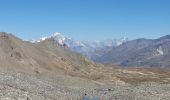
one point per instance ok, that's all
(86, 19)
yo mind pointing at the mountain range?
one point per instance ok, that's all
(45, 57)
(90, 49)
(49, 70)
(140, 52)
(42, 57)
(122, 52)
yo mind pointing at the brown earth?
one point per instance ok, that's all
(53, 67)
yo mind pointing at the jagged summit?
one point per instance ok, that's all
(57, 36)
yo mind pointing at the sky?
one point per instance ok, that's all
(86, 19)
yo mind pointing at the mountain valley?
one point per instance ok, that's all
(49, 70)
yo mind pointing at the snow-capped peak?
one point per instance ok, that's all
(43, 38)
(87, 48)
(59, 37)
(56, 34)
(121, 41)
(39, 40)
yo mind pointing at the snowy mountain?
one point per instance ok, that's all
(121, 41)
(90, 49)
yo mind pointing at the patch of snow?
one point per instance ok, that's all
(121, 41)
(56, 34)
(43, 38)
(160, 51)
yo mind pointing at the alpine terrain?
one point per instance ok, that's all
(49, 70)
(121, 52)
(90, 49)
(140, 53)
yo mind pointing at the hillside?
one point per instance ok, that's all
(140, 53)
(21, 56)
(48, 70)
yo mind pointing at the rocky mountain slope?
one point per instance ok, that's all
(49, 55)
(48, 70)
(140, 52)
